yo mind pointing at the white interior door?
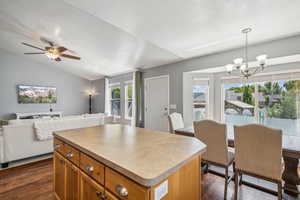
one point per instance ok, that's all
(157, 103)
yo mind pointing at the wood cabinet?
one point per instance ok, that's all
(71, 181)
(59, 176)
(89, 189)
(71, 154)
(66, 179)
(58, 146)
(93, 168)
(81, 177)
(115, 182)
(110, 196)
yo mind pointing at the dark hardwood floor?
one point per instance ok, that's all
(29, 182)
(35, 182)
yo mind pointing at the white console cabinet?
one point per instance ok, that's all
(37, 115)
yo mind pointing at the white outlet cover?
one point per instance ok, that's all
(161, 190)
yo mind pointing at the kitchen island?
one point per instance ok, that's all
(122, 162)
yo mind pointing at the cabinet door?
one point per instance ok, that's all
(89, 189)
(59, 176)
(72, 181)
(110, 196)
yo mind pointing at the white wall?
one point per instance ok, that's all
(15, 69)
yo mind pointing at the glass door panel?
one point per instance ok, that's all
(239, 105)
(200, 97)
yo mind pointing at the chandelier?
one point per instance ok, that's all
(242, 65)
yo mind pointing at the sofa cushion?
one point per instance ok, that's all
(93, 115)
(44, 129)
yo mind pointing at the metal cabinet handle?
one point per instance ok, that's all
(123, 192)
(101, 195)
(70, 155)
(98, 193)
(89, 168)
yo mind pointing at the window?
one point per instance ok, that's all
(238, 104)
(115, 100)
(128, 101)
(271, 103)
(200, 97)
(278, 105)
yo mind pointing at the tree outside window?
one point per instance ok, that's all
(200, 97)
(128, 101)
(115, 101)
(275, 104)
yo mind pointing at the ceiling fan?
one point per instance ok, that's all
(53, 52)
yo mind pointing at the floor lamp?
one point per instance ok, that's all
(90, 104)
(91, 93)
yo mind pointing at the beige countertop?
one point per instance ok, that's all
(145, 156)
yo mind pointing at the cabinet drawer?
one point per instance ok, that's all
(58, 146)
(124, 188)
(71, 154)
(92, 167)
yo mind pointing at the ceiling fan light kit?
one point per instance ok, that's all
(53, 52)
(51, 55)
(242, 64)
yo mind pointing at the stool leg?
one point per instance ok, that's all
(226, 183)
(279, 185)
(236, 183)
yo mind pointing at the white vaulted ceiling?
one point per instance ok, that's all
(116, 36)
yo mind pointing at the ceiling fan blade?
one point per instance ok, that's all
(69, 56)
(29, 45)
(57, 59)
(72, 52)
(34, 53)
(51, 43)
(61, 49)
(47, 41)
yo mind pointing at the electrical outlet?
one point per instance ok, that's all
(161, 190)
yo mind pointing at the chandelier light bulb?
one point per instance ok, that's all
(229, 68)
(262, 59)
(243, 67)
(238, 61)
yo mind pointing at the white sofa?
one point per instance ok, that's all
(18, 139)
